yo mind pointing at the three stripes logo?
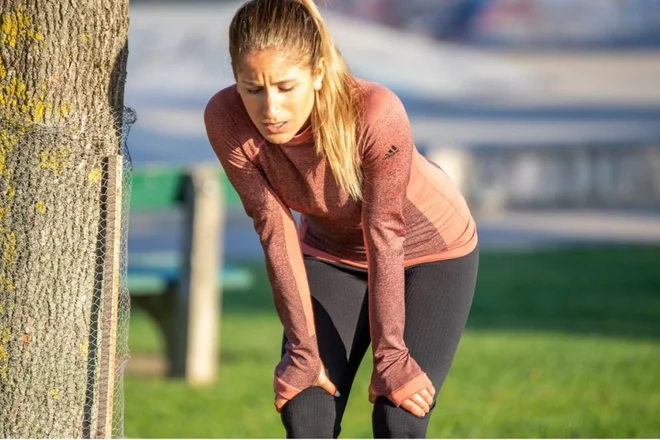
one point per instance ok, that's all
(392, 151)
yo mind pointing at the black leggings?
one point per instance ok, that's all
(438, 297)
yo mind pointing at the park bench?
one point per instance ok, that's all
(182, 292)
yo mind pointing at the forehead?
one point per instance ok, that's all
(271, 64)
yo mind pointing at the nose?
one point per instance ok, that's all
(271, 105)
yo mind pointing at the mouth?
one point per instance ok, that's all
(275, 127)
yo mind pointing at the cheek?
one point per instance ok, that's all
(306, 103)
(252, 106)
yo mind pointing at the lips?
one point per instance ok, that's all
(276, 127)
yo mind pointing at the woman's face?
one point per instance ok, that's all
(277, 93)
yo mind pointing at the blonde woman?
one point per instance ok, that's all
(386, 249)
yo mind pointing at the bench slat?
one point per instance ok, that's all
(161, 188)
(145, 280)
(156, 189)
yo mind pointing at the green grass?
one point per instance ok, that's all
(559, 344)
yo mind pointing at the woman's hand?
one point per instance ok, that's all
(419, 404)
(322, 382)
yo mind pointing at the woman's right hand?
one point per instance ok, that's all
(323, 381)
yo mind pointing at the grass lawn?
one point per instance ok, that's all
(559, 344)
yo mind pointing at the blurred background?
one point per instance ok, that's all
(545, 112)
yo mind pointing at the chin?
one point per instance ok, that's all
(279, 138)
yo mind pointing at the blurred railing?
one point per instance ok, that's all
(556, 176)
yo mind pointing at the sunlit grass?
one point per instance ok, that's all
(559, 344)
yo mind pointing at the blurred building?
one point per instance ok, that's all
(519, 22)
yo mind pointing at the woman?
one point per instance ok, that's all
(386, 249)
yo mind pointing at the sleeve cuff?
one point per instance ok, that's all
(284, 389)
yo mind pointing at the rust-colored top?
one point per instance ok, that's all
(412, 213)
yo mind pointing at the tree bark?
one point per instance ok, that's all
(62, 75)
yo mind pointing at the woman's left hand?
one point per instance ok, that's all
(323, 381)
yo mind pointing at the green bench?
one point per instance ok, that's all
(181, 290)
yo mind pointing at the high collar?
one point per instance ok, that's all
(305, 137)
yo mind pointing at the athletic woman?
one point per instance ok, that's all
(386, 248)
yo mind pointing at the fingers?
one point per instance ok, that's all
(413, 408)
(427, 396)
(326, 384)
(420, 403)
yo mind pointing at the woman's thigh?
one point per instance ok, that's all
(339, 300)
(342, 331)
(438, 298)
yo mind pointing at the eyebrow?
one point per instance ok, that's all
(255, 83)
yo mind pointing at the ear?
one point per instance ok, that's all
(318, 74)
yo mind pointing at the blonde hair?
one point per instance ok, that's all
(297, 25)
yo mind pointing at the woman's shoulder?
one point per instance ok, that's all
(225, 115)
(379, 101)
(228, 125)
(374, 93)
(224, 102)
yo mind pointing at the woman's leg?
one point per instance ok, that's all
(438, 299)
(342, 331)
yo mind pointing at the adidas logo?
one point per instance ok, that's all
(393, 150)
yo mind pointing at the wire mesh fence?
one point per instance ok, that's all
(64, 301)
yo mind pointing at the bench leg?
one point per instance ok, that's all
(199, 297)
(162, 309)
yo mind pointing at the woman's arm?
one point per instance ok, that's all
(386, 164)
(276, 227)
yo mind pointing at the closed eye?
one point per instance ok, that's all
(256, 90)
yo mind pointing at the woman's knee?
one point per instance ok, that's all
(311, 414)
(388, 421)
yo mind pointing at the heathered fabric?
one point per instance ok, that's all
(411, 213)
(438, 297)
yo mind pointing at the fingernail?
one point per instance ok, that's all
(337, 393)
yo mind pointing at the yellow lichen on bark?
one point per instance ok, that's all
(8, 248)
(84, 350)
(6, 283)
(17, 100)
(95, 176)
(17, 26)
(8, 141)
(5, 337)
(41, 207)
(65, 109)
(55, 161)
(3, 69)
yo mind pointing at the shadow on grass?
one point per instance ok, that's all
(612, 291)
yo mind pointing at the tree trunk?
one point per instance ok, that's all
(62, 74)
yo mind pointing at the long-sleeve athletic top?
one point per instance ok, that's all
(411, 213)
